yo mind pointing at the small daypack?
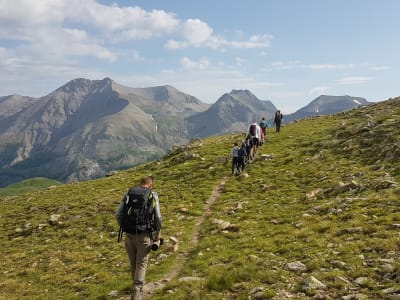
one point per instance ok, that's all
(242, 152)
(138, 210)
(235, 152)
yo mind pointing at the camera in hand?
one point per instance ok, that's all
(156, 244)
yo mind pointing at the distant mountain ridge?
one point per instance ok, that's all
(232, 112)
(326, 105)
(86, 128)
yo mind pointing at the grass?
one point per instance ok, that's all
(348, 239)
(28, 185)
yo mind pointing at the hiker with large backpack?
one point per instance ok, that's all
(254, 134)
(139, 217)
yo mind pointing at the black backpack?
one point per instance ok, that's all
(138, 210)
(253, 130)
(242, 151)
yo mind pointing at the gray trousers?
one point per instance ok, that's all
(138, 247)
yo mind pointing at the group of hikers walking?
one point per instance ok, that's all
(255, 137)
(139, 216)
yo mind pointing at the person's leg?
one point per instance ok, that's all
(130, 245)
(142, 257)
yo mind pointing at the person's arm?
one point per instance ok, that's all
(157, 216)
(120, 211)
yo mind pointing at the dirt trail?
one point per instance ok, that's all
(152, 287)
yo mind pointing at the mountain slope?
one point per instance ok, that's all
(317, 217)
(326, 105)
(232, 112)
(86, 128)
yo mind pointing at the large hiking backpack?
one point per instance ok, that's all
(138, 210)
(253, 130)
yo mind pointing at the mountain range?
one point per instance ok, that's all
(87, 128)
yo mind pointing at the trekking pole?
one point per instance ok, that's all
(120, 233)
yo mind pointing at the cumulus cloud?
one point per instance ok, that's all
(318, 90)
(196, 33)
(189, 64)
(354, 80)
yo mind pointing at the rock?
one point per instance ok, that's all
(54, 219)
(361, 280)
(113, 293)
(354, 297)
(173, 240)
(387, 268)
(253, 257)
(312, 283)
(266, 157)
(314, 194)
(189, 279)
(296, 266)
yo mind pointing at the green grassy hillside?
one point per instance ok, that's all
(318, 218)
(28, 185)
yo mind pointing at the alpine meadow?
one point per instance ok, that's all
(316, 215)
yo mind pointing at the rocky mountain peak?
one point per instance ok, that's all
(85, 86)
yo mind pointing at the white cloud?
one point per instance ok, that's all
(318, 90)
(197, 32)
(380, 68)
(189, 64)
(330, 66)
(240, 61)
(290, 65)
(354, 80)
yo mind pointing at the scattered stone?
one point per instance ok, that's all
(266, 157)
(312, 283)
(299, 225)
(113, 293)
(226, 226)
(253, 257)
(361, 280)
(391, 290)
(354, 297)
(388, 268)
(54, 219)
(111, 173)
(190, 278)
(314, 194)
(296, 266)
(338, 263)
(342, 279)
(173, 244)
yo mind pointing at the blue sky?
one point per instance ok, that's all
(285, 51)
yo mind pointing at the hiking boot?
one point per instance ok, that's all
(137, 293)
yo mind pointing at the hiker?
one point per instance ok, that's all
(254, 135)
(235, 158)
(278, 120)
(242, 154)
(263, 126)
(247, 146)
(139, 216)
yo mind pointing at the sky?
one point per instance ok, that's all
(285, 51)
